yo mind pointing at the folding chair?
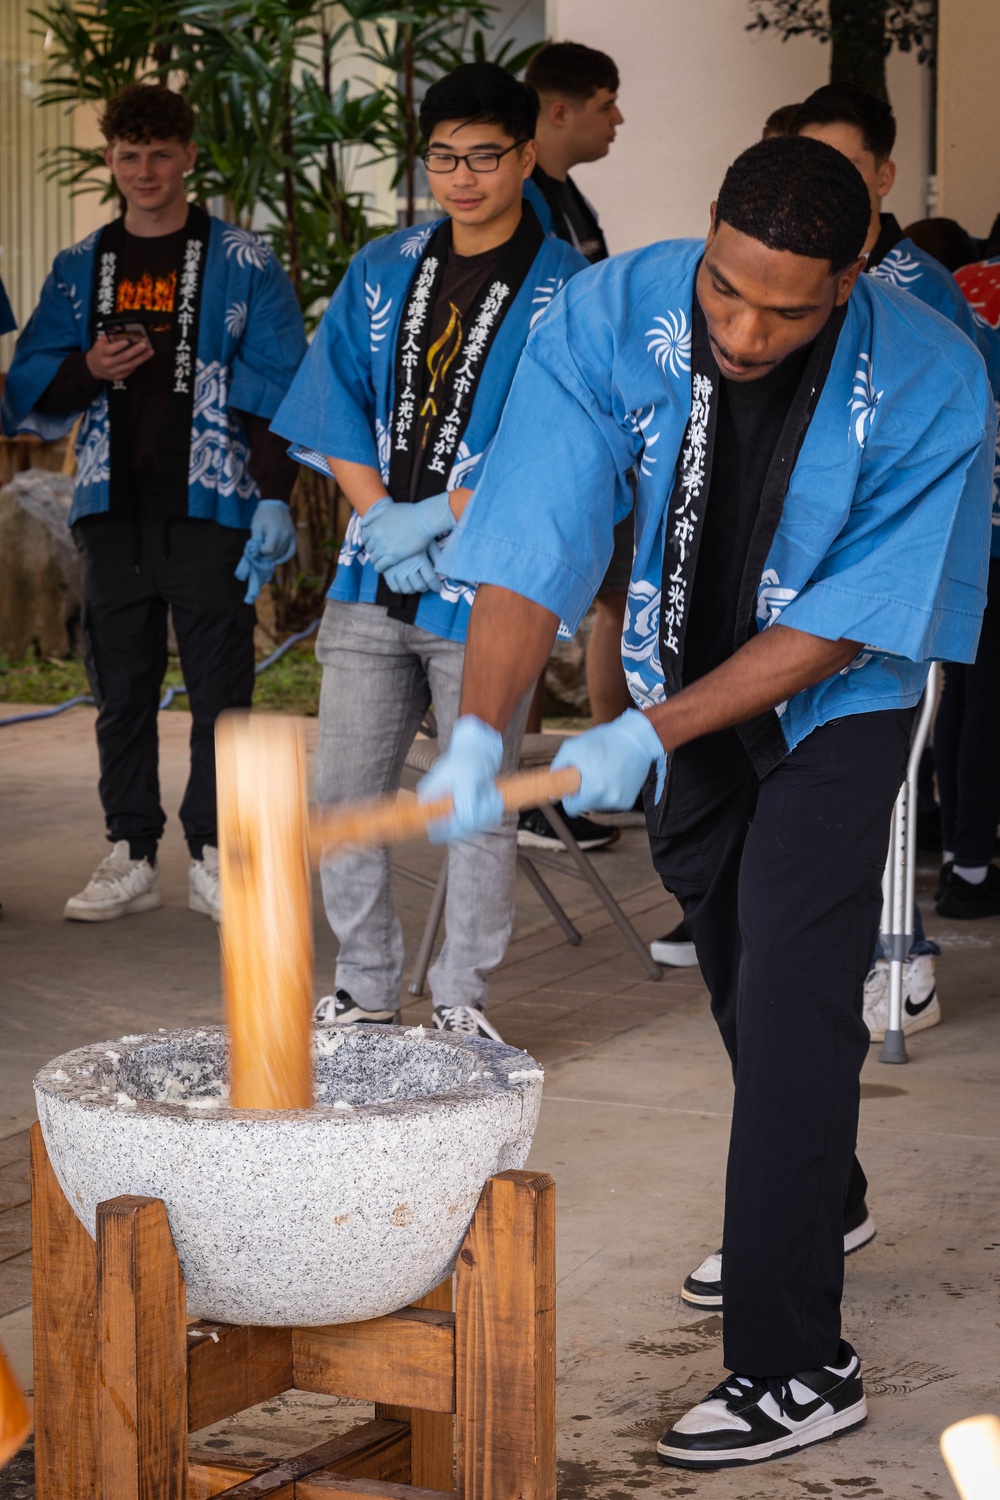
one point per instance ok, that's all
(536, 750)
(899, 880)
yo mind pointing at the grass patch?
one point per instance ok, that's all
(291, 686)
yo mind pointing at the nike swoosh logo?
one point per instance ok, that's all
(918, 1010)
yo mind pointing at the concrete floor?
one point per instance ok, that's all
(633, 1128)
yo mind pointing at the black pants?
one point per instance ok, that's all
(967, 743)
(780, 881)
(132, 573)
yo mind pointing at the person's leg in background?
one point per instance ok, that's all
(214, 630)
(373, 697)
(969, 783)
(479, 904)
(125, 636)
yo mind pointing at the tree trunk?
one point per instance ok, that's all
(333, 176)
(858, 49)
(288, 185)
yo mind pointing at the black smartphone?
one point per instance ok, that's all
(126, 328)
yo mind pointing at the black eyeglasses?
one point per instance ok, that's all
(478, 161)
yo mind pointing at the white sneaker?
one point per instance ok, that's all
(119, 887)
(468, 1019)
(203, 884)
(920, 1002)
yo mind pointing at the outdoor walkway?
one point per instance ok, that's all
(633, 1128)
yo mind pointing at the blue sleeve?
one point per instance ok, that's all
(272, 345)
(330, 408)
(555, 482)
(54, 330)
(907, 575)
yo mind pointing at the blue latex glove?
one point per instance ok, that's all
(613, 761)
(273, 529)
(414, 575)
(254, 571)
(272, 541)
(467, 771)
(393, 532)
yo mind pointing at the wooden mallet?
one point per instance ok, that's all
(15, 1418)
(267, 842)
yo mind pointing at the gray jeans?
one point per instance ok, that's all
(379, 679)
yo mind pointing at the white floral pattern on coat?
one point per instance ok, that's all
(670, 343)
(864, 400)
(248, 248)
(93, 448)
(220, 455)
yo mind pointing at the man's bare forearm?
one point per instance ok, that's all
(363, 486)
(509, 641)
(768, 670)
(361, 483)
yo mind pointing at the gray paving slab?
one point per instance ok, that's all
(634, 1128)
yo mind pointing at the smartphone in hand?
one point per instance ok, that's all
(129, 329)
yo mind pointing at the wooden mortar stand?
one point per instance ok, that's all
(464, 1399)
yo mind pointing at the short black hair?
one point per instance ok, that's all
(143, 112)
(571, 71)
(793, 193)
(485, 93)
(779, 121)
(847, 104)
(946, 240)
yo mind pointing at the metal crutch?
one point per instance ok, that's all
(900, 878)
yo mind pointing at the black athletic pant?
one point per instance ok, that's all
(967, 743)
(780, 881)
(131, 574)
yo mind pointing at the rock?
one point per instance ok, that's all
(345, 1211)
(41, 576)
(566, 674)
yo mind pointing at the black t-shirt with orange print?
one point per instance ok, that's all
(147, 290)
(146, 293)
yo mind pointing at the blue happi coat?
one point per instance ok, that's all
(912, 270)
(250, 342)
(884, 533)
(341, 403)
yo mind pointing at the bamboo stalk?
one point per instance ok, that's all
(392, 820)
(972, 1452)
(15, 1418)
(266, 929)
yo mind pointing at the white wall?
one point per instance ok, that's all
(969, 113)
(696, 89)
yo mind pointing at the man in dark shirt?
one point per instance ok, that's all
(170, 470)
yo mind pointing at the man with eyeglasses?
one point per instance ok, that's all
(399, 398)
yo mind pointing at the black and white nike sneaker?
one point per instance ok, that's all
(746, 1420)
(703, 1288)
(341, 1010)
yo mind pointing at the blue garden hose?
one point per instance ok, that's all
(171, 692)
